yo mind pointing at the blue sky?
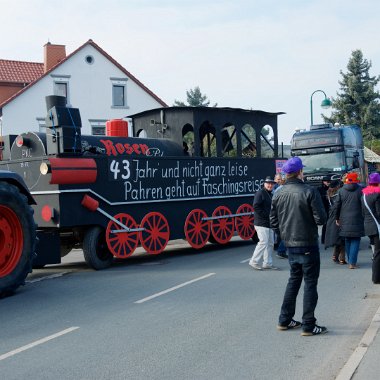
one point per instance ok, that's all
(266, 55)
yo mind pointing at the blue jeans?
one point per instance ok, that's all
(352, 249)
(306, 267)
(281, 248)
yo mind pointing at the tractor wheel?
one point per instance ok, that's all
(17, 238)
(95, 250)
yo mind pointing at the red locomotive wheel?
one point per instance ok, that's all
(156, 233)
(197, 231)
(244, 223)
(122, 244)
(11, 241)
(222, 228)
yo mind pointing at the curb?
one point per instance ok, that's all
(348, 371)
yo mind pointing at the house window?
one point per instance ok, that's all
(98, 127)
(61, 86)
(98, 130)
(119, 92)
(118, 96)
(89, 59)
(41, 124)
(60, 89)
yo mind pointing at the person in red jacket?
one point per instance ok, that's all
(349, 217)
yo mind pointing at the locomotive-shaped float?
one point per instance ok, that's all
(189, 173)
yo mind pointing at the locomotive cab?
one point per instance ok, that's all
(211, 131)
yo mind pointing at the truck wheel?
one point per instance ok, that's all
(17, 238)
(95, 249)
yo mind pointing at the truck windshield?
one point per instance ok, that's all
(325, 162)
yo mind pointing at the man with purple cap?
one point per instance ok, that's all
(296, 212)
(371, 212)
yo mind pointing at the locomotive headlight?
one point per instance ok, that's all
(19, 141)
(44, 168)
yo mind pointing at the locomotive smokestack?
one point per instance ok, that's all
(55, 101)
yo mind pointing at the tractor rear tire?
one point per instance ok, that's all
(95, 249)
(17, 238)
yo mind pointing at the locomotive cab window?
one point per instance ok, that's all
(208, 140)
(248, 141)
(188, 140)
(142, 134)
(229, 141)
(267, 139)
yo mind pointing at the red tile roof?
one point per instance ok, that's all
(19, 71)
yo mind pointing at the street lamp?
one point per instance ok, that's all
(326, 103)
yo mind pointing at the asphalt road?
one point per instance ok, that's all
(181, 315)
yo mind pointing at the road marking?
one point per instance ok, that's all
(46, 277)
(174, 288)
(37, 342)
(245, 261)
(354, 361)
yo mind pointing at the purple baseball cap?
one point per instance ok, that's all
(293, 165)
(374, 178)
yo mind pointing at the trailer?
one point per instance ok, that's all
(186, 173)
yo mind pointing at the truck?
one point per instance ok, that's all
(17, 232)
(329, 151)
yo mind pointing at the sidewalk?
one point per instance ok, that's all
(364, 363)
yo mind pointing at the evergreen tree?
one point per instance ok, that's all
(358, 101)
(194, 99)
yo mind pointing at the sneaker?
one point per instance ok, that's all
(282, 255)
(292, 325)
(269, 267)
(255, 266)
(317, 330)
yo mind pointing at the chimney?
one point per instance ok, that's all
(53, 54)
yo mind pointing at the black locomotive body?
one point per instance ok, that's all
(109, 194)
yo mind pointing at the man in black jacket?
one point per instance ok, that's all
(296, 212)
(264, 248)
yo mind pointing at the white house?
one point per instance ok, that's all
(90, 79)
